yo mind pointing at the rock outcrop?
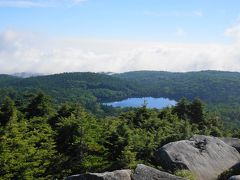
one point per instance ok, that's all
(207, 157)
(143, 172)
(115, 175)
(234, 142)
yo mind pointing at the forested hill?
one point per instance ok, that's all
(220, 90)
(86, 88)
(211, 86)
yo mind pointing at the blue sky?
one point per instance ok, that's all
(173, 26)
(200, 20)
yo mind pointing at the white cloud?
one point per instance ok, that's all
(180, 32)
(233, 32)
(31, 52)
(39, 3)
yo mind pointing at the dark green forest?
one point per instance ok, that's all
(219, 90)
(89, 89)
(42, 140)
(55, 126)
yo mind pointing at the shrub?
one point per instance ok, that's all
(185, 174)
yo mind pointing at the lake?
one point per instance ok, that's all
(158, 103)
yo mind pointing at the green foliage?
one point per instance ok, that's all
(87, 88)
(41, 141)
(185, 174)
(7, 111)
(27, 149)
(78, 140)
(220, 90)
(127, 159)
(39, 106)
(182, 108)
(195, 112)
(210, 86)
(117, 144)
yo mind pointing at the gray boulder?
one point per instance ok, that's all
(234, 142)
(115, 175)
(234, 178)
(143, 172)
(207, 157)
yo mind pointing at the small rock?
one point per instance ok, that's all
(115, 175)
(143, 172)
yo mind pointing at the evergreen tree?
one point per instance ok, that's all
(182, 109)
(142, 114)
(197, 112)
(37, 145)
(27, 150)
(7, 111)
(40, 106)
(117, 144)
(65, 111)
(78, 142)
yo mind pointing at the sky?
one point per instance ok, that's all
(54, 36)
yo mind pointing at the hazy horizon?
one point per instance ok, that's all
(50, 36)
(31, 74)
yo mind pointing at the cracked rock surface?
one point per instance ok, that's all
(205, 156)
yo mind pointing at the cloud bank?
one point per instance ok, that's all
(29, 52)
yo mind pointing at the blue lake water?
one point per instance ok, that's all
(158, 103)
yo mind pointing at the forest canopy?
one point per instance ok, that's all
(219, 90)
(40, 140)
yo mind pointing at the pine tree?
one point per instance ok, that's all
(40, 106)
(182, 109)
(78, 142)
(27, 150)
(7, 111)
(197, 112)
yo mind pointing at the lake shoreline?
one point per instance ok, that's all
(150, 102)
